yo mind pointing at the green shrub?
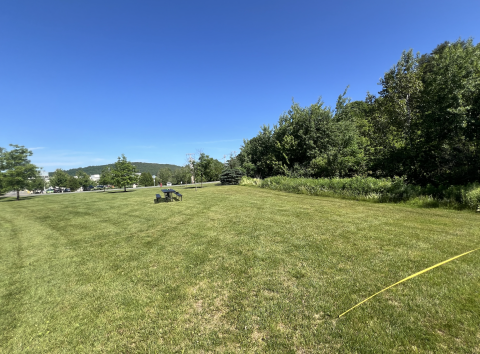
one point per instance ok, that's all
(231, 176)
(472, 198)
(248, 181)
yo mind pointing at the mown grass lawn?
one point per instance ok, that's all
(234, 269)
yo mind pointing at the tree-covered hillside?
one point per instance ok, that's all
(141, 167)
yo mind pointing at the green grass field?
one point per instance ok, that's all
(234, 269)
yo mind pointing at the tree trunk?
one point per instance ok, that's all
(18, 194)
(124, 188)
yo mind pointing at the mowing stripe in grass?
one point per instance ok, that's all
(409, 277)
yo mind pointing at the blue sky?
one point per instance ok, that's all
(82, 82)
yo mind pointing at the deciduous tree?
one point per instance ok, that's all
(106, 178)
(60, 178)
(146, 179)
(164, 175)
(123, 173)
(18, 169)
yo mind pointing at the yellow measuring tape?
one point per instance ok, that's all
(409, 277)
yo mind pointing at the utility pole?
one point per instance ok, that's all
(192, 167)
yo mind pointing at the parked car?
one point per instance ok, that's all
(169, 184)
(66, 190)
(57, 190)
(98, 188)
(49, 190)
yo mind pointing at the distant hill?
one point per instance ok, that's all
(141, 167)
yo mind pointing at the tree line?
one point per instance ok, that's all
(424, 124)
(124, 173)
(18, 173)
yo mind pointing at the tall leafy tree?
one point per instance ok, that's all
(106, 177)
(164, 175)
(73, 183)
(146, 179)
(84, 179)
(150, 181)
(37, 183)
(182, 175)
(396, 116)
(204, 167)
(260, 151)
(60, 178)
(123, 173)
(309, 141)
(18, 168)
(450, 129)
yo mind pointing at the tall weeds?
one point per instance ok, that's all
(381, 190)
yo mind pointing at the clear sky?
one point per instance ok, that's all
(82, 82)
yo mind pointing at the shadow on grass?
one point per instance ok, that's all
(113, 192)
(163, 201)
(13, 199)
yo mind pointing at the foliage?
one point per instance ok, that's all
(73, 183)
(182, 175)
(84, 179)
(231, 176)
(310, 141)
(163, 176)
(248, 181)
(18, 177)
(17, 169)
(3, 187)
(472, 198)
(378, 189)
(232, 162)
(123, 173)
(207, 168)
(36, 183)
(146, 179)
(106, 178)
(424, 124)
(59, 179)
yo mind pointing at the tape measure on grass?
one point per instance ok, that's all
(409, 277)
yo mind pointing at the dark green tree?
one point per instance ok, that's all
(123, 173)
(146, 179)
(449, 135)
(73, 183)
(231, 176)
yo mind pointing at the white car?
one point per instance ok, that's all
(169, 184)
